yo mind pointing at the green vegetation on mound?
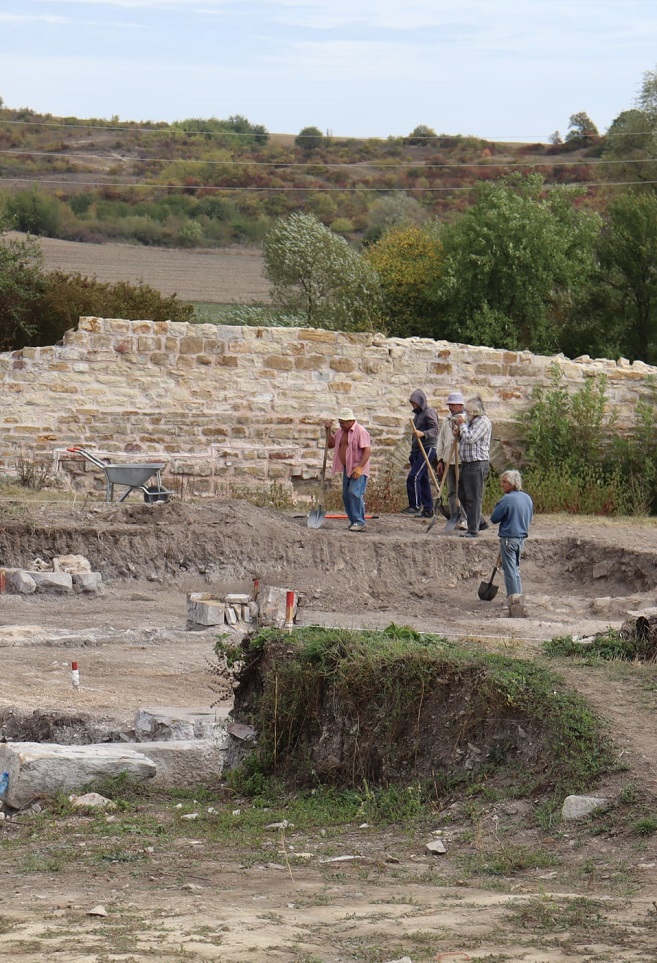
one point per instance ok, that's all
(396, 707)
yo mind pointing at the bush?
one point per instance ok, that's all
(67, 297)
(36, 213)
(576, 463)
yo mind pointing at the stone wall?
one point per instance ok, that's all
(227, 406)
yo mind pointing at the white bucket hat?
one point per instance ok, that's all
(346, 414)
(455, 398)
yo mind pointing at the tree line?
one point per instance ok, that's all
(522, 268)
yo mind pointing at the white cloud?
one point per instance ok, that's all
(20, 18)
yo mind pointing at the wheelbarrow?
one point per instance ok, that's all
(134, 477)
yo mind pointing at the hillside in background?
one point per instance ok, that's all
(203, 183)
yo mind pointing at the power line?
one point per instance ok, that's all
(356, 188)
(279, 165)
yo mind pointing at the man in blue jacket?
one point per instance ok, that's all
(513, 513)
(418, 486)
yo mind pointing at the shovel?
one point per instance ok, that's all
(432, 473)
(487, 591)
(316, 516)
(456, 517)
(439, 503)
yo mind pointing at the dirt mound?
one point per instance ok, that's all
(347, 707)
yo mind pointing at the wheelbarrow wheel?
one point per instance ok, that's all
(154, 493)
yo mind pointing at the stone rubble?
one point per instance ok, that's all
(64, 575)
(270, 608)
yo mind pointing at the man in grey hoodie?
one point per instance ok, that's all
(418, 485)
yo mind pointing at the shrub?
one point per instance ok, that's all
(67, 297)
(576, 463)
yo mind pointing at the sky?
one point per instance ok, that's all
(511, 70)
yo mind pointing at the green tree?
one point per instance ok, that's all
(21, 285)
(393, 211)
(315, 274)
(581, 128)
(309, 139)
(408, 260)
(36, 212)
(421, 136)
(632, 138)
(630, 143)
(626, 286)
(513, 263)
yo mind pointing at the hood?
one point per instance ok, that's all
(419, 398)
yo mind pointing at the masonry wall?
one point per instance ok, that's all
(242, 406)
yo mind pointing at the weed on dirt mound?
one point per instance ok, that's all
(344, 708)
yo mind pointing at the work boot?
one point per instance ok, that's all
(483, 525)
(516, 606)
(410, 511)
(425, 513)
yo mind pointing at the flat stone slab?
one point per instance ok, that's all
(181, 723)
(183, 762)
(53, 581)
(36, 768)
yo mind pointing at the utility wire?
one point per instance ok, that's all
(279, 165)
(305, 188)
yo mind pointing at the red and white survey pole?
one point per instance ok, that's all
(289, 611)
(75, 675)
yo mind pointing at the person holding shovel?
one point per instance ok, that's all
(513, 513)
(474, 432)
(447, 450)
(425, 432)
(352, 446)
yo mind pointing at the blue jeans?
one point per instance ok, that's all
(511, 550)
(418, 487)
(353, 497)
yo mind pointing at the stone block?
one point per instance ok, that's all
(204, 610)
(237, 598)
(183, 763)
(272, 602)
(91, 583)
(53, 581)
(20, 582)
(178, 724)
(36, 768)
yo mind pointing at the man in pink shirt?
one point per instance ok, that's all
(351, 457)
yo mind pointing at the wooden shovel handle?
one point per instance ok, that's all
(431, 471)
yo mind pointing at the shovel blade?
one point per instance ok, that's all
(453, 522)
(445, 512)
(316, 517)
(487, 591)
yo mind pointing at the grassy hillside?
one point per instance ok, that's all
(200, 183)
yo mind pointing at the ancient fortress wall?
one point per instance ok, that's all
(229, 406)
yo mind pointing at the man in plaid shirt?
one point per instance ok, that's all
(474, 433)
